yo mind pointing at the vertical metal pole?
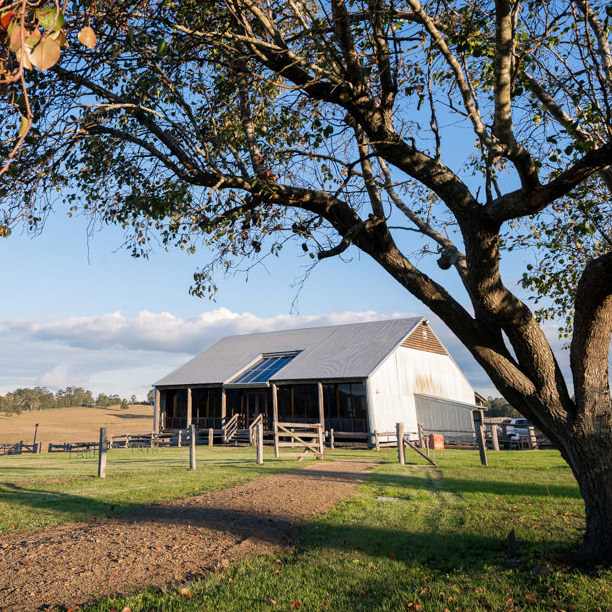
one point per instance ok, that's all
(399, 428)
(192, 449)
(102, 454)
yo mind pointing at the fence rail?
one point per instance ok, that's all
(18, 448)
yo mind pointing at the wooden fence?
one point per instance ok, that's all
(19, 448)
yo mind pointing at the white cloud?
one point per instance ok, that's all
(165, 332)
(120, 354)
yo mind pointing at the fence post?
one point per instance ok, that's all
(399, 429)
(494, 438)
(180, 438)
(259, 436)
(321, 441)
(480, 435)
(102, 454)
(421, 435)
(276, 451)
(331, 439)
(376, 440)
(20, 447)
(533, 442)
(211, 436)
(192, 441)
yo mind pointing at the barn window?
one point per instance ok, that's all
(264, 369)
(206, 407)
(345, 406)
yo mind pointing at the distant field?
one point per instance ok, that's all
(75, 424)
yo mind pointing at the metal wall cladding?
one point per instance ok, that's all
(453, 419)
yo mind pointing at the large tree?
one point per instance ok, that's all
(450, 130)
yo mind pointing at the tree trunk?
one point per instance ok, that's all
(588, 455)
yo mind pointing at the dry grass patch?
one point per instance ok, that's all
(75, 424)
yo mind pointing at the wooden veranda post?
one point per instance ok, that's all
(478, 416)
(192, 447)
(259, 435)
(399, 428)
(321, 405)
(275, 418)
(223, 406)
(102, 454)
(157, 411)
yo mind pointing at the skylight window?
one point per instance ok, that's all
(264, 369)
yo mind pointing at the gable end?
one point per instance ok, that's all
(423, 339)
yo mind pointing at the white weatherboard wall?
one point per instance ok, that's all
(407, 372)
(435, 375)
(390, 396)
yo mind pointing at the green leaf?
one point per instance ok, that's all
(49, 17)
(162, 47)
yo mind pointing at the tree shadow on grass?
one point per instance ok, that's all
(459, 486)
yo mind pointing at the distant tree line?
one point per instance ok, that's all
(40, 398)
(499, 407)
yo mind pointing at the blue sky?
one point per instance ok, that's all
(78, 310)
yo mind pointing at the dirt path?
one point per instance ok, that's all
(167, 543)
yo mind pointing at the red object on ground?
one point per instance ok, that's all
(436, 441)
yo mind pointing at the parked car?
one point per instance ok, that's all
(517, 427)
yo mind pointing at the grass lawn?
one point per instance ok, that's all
(443, 547)
(37, 491)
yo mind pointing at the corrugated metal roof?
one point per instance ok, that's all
(339, 351)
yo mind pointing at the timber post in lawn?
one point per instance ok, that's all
(531, 436)
(480, 435)
(102, 454)
(421, 435)
(192, 449)
(376, 441)
(494, 438)
(331, 439)
(259, 436)
(399, 428)
(275, 418)
(321, 439)
(189, 407)
(211, 436)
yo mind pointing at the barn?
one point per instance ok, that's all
(357, 378)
